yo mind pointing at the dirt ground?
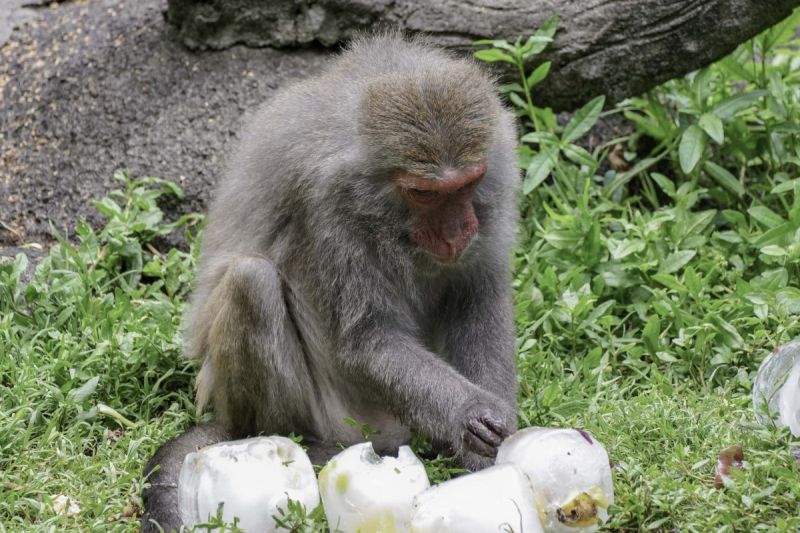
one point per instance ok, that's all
(88, 87)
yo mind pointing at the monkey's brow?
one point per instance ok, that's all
(451, 179)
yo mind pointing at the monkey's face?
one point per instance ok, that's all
(443, 216)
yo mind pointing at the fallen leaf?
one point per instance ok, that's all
(617, 159)
(731, 457)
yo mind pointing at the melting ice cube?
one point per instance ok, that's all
(363, 492)
(493, 500)
(253, 478)
(776, 389)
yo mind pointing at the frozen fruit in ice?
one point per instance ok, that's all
(569, 473)
(366, 493)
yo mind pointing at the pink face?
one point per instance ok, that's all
(445, 221)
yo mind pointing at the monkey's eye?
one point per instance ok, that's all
(421, 195)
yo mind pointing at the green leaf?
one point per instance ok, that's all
(512, 87)
(724, 178)
(664, 182)
(774, 251)
(539, 74)
(647, 125)
(693, 282)
(518, 101)
(539, 137)
(701, 84)
(650, 334)
(108, 207)
(712, 125)
(669, 281)
(548, 27)
(785, 187)
(84, 391)
(766, 216)
(537, 172)
(734, 67)
(667, 358)
(497, 43)
(728, 107)
(492, 55)
(622, 249)
(676, 260)
(780, 235)
(583, 120)
(693, 144)
(698, 222)
(541, 38)
(579, 155)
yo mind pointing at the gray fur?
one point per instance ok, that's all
(312, 304)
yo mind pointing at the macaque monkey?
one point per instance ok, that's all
(356, 263)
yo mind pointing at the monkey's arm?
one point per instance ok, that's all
(424, 391)
(479, 334)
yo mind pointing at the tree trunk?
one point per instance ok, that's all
(618, 48)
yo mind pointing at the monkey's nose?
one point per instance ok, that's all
(460, 235)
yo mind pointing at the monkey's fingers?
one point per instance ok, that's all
(479, 428)
(474, 444)
(497, 425)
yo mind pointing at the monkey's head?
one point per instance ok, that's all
(432, 131)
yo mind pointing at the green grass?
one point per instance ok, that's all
(645, 299)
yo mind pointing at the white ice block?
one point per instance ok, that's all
(776, 389)
(252, 477)
(365, 493)
(789, 401)
(569, 473)
(490, 501)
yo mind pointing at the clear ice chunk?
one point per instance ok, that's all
(776, 389)
(498, 498)
(252, 478)
(366, 493)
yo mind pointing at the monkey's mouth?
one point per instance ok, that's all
(452, 258)
(445, 260)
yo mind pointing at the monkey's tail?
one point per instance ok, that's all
(161, 510)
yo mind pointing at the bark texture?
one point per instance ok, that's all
(614, 47)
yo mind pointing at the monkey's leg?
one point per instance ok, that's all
(161, 496)
(255, 370)
(263, 378)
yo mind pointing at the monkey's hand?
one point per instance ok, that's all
(483, 427)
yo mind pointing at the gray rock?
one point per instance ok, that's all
(618, 48)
